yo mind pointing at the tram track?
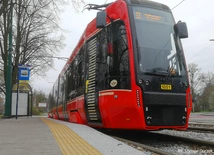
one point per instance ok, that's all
(201, 127)
(143, 146)
(189, 140)
(165, 144)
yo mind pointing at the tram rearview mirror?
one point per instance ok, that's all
(101, 19)
(181, 29)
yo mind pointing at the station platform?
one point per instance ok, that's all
(45, 136)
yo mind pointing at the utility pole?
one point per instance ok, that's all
(9, 66)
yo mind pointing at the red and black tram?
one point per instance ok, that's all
(128, 71)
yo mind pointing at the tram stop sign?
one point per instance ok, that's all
(24, 73)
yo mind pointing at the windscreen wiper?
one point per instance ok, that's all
(156, 71)
(170, 70)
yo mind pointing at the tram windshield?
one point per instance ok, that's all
(159, 49)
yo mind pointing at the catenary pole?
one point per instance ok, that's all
(9, 67)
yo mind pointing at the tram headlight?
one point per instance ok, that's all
(149, 119)
(184, 119)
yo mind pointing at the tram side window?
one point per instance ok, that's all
(68, 80)
(102, 66)
(112, 58)
(62, 84)
(80, 74)
(60, 92)
(71, 82)
(120, 66)
(67, 83)
(56, 92)
(75, 77)
(123, 57)
(52, 97)
(51, 101)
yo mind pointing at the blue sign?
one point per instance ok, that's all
(24, 73)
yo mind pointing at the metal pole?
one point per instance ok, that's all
(17, 95)
(9, 67)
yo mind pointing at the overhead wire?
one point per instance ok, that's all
(178, 4)
(204, 48)
(201, 51)
(105, 2)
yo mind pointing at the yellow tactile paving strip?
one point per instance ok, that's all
(69, 142)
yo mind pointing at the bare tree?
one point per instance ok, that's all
(3, 6)
(77, 4)
(209, 79)
(206, 99)
(36, 35)
(211, 100)
(197, 78)
(196, 81)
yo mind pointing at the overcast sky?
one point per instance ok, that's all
(198, 14)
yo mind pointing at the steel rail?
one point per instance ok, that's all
(201, 129)
(147, 147)
(192, 140)
(200, 124)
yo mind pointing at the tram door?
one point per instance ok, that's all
(91, 92)
(62, 88)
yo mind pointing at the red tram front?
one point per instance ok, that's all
(128, 71)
